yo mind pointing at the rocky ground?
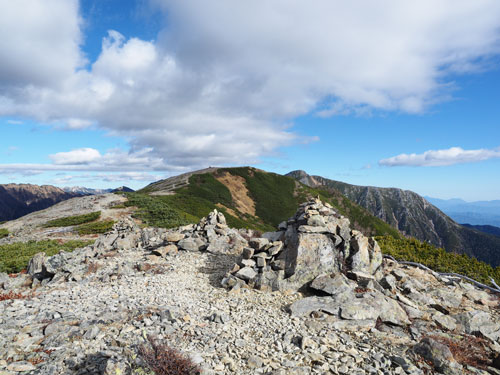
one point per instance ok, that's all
(88, 312)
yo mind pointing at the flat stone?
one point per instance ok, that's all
(445, 321)
(246, 273)
(192, 244)
(20, 366)
(359, 310)
(174, 236)
(331, 285)
(305, 306)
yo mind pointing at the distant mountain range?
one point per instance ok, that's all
(17, 200)
(476, 213)
(81, 190)
(490, 229)
(414, 216)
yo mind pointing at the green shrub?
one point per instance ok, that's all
(73, 220)
(437, 258)
(97, 227)
(155, 211)
(3, 232)
(15, 257)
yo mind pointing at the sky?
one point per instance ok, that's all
(104, 93)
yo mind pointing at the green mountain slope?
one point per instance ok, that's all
(414, 216)
(248, 197)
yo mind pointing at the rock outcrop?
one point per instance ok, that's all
(316, 240)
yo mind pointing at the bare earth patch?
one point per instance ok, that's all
(239, 193)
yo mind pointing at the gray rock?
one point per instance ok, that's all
(439, 354)
(259, 244)
(331, 285)
(254, 362)
(365, 254)
(246, 273)
(445, 321)
(247, 253)
(359, 310)
(316, 221)
(309, 255)
(192, 244)
(36, 264)
(388, 282)
(307, 305)
(20, 366)
(174, 236)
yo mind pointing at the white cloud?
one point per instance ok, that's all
(125, 177)
(79, 156)
(40, 43)
(223, 82)
(14, 122)
(436, 158)
(89, 159)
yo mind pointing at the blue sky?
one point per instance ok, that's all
(110, 92)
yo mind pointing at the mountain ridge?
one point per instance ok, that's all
(414, 216)
(17, 200)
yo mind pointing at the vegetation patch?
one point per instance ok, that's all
(164, 360)
(11, 295)
(15, 257)
(437, 259)
(3, 232)
(73, 220)
(156, 211)
(97, 227)
(469, 350)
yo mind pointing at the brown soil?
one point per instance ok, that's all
(239, 193)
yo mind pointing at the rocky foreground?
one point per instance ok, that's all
(313, 297)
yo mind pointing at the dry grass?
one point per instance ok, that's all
(164, 360)
(468, 350)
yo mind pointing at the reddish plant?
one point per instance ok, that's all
(12, 295)
(469, 350)
(164, 360)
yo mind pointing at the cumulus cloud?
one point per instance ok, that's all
(224, 80)
(437, 158)
(79, 156)
(89, 159)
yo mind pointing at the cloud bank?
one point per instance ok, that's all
(224, 80)
(438, 158)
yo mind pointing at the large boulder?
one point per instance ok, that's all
(364, 254)
(313, 242)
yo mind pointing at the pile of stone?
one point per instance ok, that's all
(211, 234)
(316, 240)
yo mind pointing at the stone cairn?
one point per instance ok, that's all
(315, 241)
